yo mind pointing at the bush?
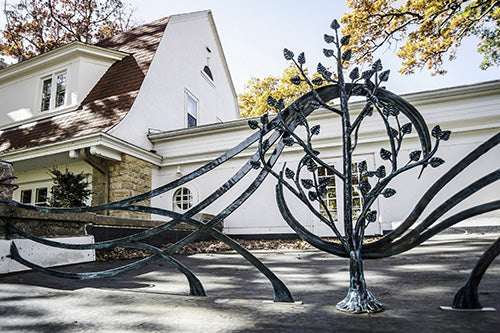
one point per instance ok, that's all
(69, 190)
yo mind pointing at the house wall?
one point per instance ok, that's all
(127, 178)
(21, 95)
(176, 70)
(470, 112)
(40, 177)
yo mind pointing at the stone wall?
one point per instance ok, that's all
(127, 178)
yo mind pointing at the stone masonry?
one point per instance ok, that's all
(127, 178)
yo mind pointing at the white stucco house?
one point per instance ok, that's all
(471, 112)
(148, 106)
(90, 108)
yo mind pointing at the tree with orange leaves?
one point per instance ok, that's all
(425, 31)
(34, 27)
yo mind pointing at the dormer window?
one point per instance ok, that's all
(207, 71)
(53, 95)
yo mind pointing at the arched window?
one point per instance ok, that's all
(182, 199)
(207, 71)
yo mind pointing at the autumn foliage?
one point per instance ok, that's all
(424, 32)
(253, 101)
(34, 27)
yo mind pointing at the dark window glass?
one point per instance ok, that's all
(26, 196)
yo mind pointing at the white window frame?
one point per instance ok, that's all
(53, 91)
(35, 189)
(187, 97)
(182, 199)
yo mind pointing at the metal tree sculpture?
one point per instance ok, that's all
(305, 183)
(273, 136)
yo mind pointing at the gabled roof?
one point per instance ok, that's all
(107, 103)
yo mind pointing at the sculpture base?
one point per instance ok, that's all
(449, 308)
(359, 302)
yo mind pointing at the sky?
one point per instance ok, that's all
(254, 33)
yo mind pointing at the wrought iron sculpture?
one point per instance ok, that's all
(272, 137)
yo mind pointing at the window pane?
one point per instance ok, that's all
(61, 89)
(182, 198)
(26, 196)
(46, 90)
(191, 106)
(191, 121)
(41, 196)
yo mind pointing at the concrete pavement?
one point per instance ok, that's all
(411, 286)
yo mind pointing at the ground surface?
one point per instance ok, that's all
(411, 286)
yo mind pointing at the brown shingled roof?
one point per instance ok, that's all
(107, 103)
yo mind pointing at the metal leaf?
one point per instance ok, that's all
(280, 105)
(388, 192)
(265, 144)
(307, 183)
(312, 195)
(445, 135)
(362, 166)
(406, 128)
(253, 124)
(324, 181)
(436, 131)
(385, 154)
(329, 39)
(321, 69)
(415, 155)
(335, 25)
(264, 119)
(435, 162)
(377, 66)
(367, 74)
(327, 75)
(289, 173)
(328, 53)
(315, 130)
(301, 58)
(371, 216)
(365, 186)
(311, 165)
(393, 132)
(369, 85)
(296, 80)
(255, 164)
(322, 191)
(384, 76)
(345, 40)
(315, 104)
(346, 56)
(289, 141)
(380, 172)
(317, 81)
(271, 101)
(354, 74)
(288, 54)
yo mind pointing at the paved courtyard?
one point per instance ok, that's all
(411, 286)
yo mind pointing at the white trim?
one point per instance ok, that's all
(55, 56)
(101, 141)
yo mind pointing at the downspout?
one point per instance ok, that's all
(97, 164)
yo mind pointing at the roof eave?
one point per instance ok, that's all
(71, 49)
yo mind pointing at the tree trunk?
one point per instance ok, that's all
(359, 299)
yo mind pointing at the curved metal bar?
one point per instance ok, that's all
(281, 292)
(318, 242)
(195, 285)
(467, 296)
(14, 253)
(418, 239)
(433, 190)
